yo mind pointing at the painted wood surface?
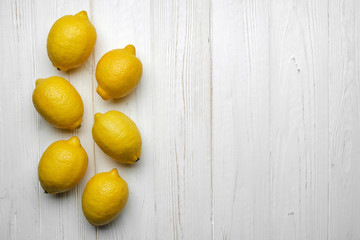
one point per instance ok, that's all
(249, 114)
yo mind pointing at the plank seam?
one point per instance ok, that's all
(212, 218)
(92, 93)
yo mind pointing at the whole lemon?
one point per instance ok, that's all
(62, 165)
(117, 135)
(58, 102)
(118, 73)
(104, 197)
(70, 41)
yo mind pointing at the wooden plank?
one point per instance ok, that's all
(241, 119)
(170, 190)
(19, 149)
(118, 24)
(298, 120)
(344, 119)
(315, 171)
(61, 214)
(182, 127)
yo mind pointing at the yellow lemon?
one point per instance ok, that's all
(118, 73)
(58, 102)
(70, 41)
(62, 165)
(104, 197)
(117, 135)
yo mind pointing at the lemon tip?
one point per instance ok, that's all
(38, 81)
(82, 14)
(102, 93)
(97, 115)
(114, 172)
(74, 141)
(131, 49)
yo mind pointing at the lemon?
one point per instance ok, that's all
(62, 165)
(70, 41)
(117, 135)
(58, 102)
(118, 73)
(104, 197)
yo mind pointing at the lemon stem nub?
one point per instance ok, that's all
(97, 115)
(114, 172)
(131, 49)
(74, 141)
(38, 81)
(102, 93)
(137, 160)
(82, 14)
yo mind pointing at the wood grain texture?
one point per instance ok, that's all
(19, 126)
(181, 110)
(248, 110)
(299, 120)
(241, 119)
(344, 122)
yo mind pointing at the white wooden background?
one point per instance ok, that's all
(249, 112)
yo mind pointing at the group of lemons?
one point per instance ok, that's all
(70, 42)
